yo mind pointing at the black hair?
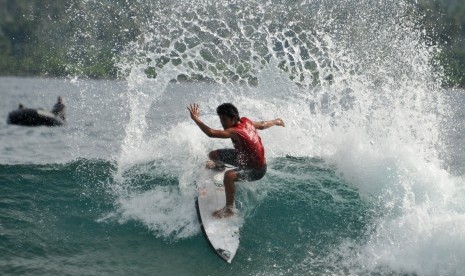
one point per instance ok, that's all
(228, 110)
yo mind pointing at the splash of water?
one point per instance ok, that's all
(370, 73)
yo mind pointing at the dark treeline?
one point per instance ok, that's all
(59, 38)
(27, 45)
(56, 38)
(444, 20)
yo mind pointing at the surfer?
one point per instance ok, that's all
(248, 155)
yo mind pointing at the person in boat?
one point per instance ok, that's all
(59, 108)
(248, 155)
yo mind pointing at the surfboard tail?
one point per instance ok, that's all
(224, 254)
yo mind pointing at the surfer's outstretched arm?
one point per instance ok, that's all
(215, 133)
(268, 124)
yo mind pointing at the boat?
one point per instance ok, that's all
(34, 117)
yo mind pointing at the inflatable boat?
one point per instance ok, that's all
(34, 117)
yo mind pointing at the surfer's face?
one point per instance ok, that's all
(227, 122)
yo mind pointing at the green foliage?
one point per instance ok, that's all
(444, 20)
(43, 38)
(23, 50)
(454, 67)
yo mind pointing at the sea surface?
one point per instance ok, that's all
(367, 177)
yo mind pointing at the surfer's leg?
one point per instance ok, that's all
(230, 187)
(220, 157)
(230, 191)
(214, 163)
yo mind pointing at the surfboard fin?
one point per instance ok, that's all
(225, 254)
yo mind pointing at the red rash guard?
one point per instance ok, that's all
(248, 144)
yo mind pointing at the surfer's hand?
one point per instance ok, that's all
(194, 111)
(279, 122)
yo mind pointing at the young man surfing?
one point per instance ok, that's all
(248, 155)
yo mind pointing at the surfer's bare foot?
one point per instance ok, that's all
(226, 212)
(213, 166)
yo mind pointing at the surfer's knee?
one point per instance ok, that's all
(230, 176)
(213, 155)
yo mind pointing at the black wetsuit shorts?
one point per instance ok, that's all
(229, 156)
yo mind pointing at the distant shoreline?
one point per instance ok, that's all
(460, 87)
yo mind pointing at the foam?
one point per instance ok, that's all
(165, 211)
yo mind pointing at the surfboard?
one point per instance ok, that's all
(222, 235)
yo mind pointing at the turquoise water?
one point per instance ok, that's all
(53, 222)
(366, 178)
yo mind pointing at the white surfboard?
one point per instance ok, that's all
(221, 234)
